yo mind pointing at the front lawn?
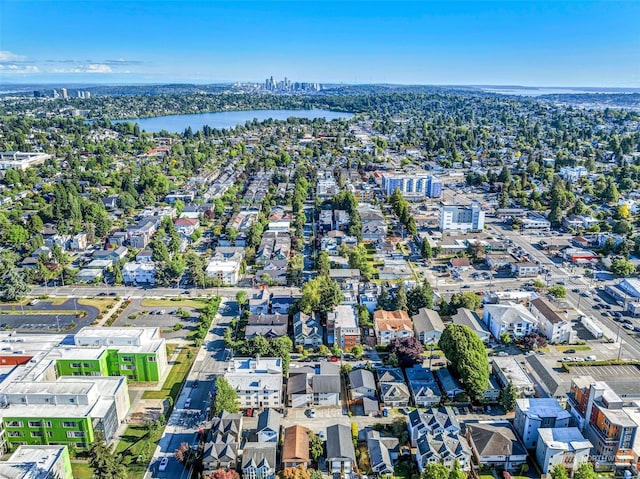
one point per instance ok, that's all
(176, 376)
(188, 303)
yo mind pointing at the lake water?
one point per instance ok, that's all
(227, 119)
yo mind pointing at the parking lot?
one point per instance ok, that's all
(163, 317)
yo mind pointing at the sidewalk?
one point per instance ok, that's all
(110, 313)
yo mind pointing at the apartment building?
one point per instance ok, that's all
(509, 318)
(414, 186)
(564, 446)
(538, 413)
(390, 325)
(461, 218)
(552, 324)
(342, 327)
(258, 381)
(135, 272)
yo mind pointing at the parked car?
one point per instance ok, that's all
(187, 403)
(164, 462)
(570, 351)
(334, 359)
(312, 413)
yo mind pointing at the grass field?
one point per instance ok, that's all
(563, 349)
(103, 305)
(137, 446)
(81, 470)
(187, 303)
(179, 370)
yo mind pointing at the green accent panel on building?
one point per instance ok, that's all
(66, 460)
(43, 430)
(82, 367)
(139, 367)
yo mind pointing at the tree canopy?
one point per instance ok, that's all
(468, 358)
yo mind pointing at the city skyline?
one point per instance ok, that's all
(562, 44)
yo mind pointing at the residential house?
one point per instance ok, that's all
(259, 461)
(362, 384)
(222, 446)
(433, 421)
(383, 452)
(494, 444)
(459, 264)
(273, 272)
(393, 390)
(295, 451)
(342, 327)
(258, 381)
(268, 429)
(428, 326)
(509, 371)
(110, 202)
(564, 446)
(140, 235)
(449, 384)
(341, 455)
(187, 226)
(368, 295)
(469, 318)
(394, 269)
(318, 385)
(268, 325)
(79, 242)
(281, 303)
(307, 331)
(537, 413)
(552, 324)
(145, 256)
(139, 273)
(443, 448)
(115, 254)
(423, 386)
(390, 325)
(525, 269)
(509, 318)
(259, 302)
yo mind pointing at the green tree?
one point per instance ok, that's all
(104, 463)
(508, 397)
(357, 351)
(226, 397)
(505, 338)
(559, 472)
(16, 235)
(468, 357)
(320, 294)
(622, 267)
(467, 300)
(159, 251)
(435, 470)
(242, 300)
(420, 296)
(401, 298)
(323, 263)
(316, 448)
(425, 249)
(13, 286)
(456, 472)
(557, 291)
(585, 471)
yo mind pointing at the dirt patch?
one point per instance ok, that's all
(148, 410)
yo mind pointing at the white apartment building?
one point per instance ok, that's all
(566, 446)
(139, 273)
(555, 327)
(17, 160)
(342, 327)
(573, 173)
(227, 271)
(258, 381)
(509, 371)
(536, 413)
(461, 218)
(510, 318)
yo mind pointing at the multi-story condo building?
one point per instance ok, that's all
(564, 446)
(258, 381)
(135, 272)
(38, 462)
(342, 327)
(18, 160)
(537, 413)
(509, 318)
(461, 218)
(555, 327)
(600, 415)
(413, 185)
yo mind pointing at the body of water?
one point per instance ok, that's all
(227, 119)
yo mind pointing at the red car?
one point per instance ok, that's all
(334, 359)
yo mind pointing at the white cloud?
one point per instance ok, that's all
(18, 69)
(7, 56)
(94, 68)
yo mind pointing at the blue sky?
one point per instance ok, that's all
(556, 43)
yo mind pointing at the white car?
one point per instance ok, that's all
(322, 435)
(163, 464)
(312, 413)
(187, 403)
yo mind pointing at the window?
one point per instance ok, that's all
(128, 359)
(14, 424)
(76, 365)
(49, 433)
(87, 365)
(128, 367)
(75, 434)
(35, 423)
(47, 423)
(15, 434)
(36, 434)
(69, 424)
(152, 359)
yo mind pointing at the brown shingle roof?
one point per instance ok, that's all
(392, 320)
(296, 444)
